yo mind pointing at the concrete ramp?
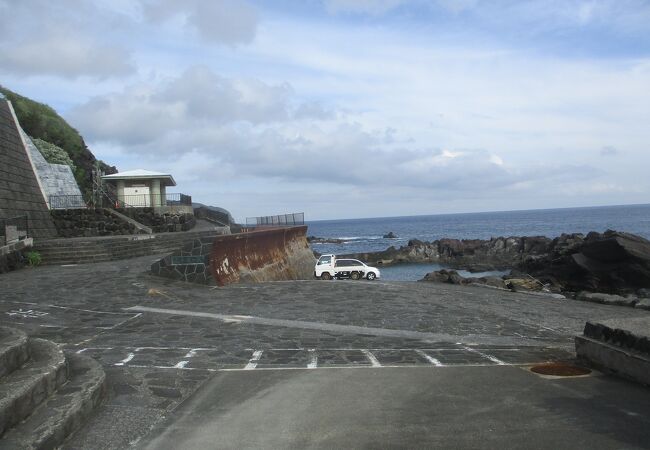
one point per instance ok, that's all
(263, 255)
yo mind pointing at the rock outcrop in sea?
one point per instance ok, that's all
(611, 262)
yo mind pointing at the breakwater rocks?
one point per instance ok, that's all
(472, 254)
(611, 262)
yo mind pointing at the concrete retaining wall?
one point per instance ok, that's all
(264, 255)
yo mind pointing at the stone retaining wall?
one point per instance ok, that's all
(160, 223)
(90, 222)
(97, 249)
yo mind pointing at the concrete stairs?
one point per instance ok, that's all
(45, 395)
(618, 346)
(109, 248)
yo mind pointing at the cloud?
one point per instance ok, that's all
(67, 38)
(609, 150)
(65, 55)
(372, 7)
(228, 22)
(197, 98)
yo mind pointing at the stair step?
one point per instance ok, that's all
(24, 389)
(65, 411)
(14, 351)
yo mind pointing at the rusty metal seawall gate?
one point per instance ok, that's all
(263, 255)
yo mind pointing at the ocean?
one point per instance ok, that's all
(366, 235)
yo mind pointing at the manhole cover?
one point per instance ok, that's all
(560, 370)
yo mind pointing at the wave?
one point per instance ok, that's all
(359, 238)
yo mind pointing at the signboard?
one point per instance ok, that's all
(186, 260)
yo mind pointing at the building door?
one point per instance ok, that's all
(137, 196)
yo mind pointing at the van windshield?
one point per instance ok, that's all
(324, 260)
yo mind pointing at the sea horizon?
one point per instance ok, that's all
(367, 234)
(307, 222)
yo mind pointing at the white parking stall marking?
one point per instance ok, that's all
(429, 358)
(190, 354)
(372, 358)
(313, 359)
(126, 360)
(486, 356)
(252, 363)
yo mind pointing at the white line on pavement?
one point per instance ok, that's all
(313, 359)
(126, 360)
(486, 356)
(431, 359)
(373, 360)
(252, 363)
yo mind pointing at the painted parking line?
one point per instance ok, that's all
(313, 359)
(214, 359)
(429, 358)
(485, 355)
(371, 357)
(252, 363)
(126, 360)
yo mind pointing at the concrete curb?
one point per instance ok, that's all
(14, 351)
(610, 358)
(65, 412)
(25, 389)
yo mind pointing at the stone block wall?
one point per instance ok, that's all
(160, 223)
(20, 192)
(90, 222)
(191, 263)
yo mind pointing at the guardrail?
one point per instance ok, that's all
(153, 200)
(67, 202)
(13, 229)
(126, 201)
(280, 220)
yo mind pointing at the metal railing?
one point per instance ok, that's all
(125, 201)
(280, 220)
(13, 229)
(153, 200)
(67, 202)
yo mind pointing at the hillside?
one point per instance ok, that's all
(42, 122)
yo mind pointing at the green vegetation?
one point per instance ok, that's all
(42, 122)
(53, 153)
(34, 258)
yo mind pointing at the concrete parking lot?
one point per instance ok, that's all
(317, 364)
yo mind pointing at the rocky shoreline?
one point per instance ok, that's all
(611, 262)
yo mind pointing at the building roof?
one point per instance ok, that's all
(140, 174)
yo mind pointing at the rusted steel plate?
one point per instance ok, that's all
(264, 255)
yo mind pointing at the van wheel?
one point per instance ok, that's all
(325, 276)
(371, 276)
(355, 275)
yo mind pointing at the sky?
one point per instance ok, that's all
(348, 109)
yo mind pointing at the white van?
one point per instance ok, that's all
(329, 266)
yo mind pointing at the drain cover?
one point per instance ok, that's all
(560, 370)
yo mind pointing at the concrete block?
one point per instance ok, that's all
(607, 299)
(613, 359)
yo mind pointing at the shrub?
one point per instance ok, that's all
(53, 153)
(34, 258)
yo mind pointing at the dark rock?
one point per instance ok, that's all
(612, 262)
(643, 293)
(491, 281)
(390, 235)
(319, 240)
(445, 276)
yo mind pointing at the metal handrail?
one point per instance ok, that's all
(279, 220)
(20, 229)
